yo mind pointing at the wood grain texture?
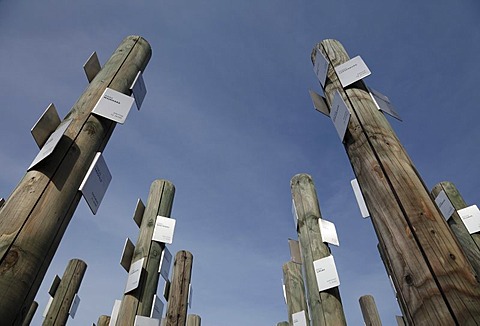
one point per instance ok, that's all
(68, 287)
(177, 301)
(294, 290)
(369, 311)
(103, 320)
(139, 301)
(35, 216)
(326, 306)
(438, 283)
(30, 314)
(194, 320)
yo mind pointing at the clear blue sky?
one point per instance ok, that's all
(228, 120)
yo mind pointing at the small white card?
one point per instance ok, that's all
(329, 232)
(146, 321)
(321, 67)
(113, 105)
(165, 263)
(340, 115)
(360, 199)
(74, 306)
(51, 143)
(96, 181)
(164, 229)
(157, 308)
(444, 205)
(134, 275)
(139, 90)
(115, 311)
(352, 71)
(471, 218)
(383, 103)
(319, 103)
(299, 318)
(326, 273)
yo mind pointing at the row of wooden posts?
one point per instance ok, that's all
(433, 263)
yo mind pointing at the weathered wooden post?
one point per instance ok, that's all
(103, 320)
(469, 242)
(294, 290)
(325, 306)
(139, 301)
(35, 216)
(179, 290)
(438, 283)
(65, 293)
(283, 323)
(369, 311)
(194, 320)
(30, 314)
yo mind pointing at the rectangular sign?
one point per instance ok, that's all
(113, 105)
(138, 215)
(74, 306)
(360, 200)
(326, 273)
(319, 103)
(190, 295)
(46, 125)
(340, 115)
(139, 90)
(115, 311)
(329, 232)
(134, 275)
(351, 71)
(166, 290)
(471, 218)
(299, 318)
(383, 103)
(165, 263)
(295, 252)
(95, 184)
(321, 67)
(157, 308)
(146, 321)
(294, 213)
(92, 66)
(47, 307)
(51, 143)
(54, 286)
(284, 291)
(444, 204)
(127, 254)
(164, 229)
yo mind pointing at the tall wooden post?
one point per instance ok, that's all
(294, 290)
(326, 306)
(139, 301)
(283, 323)
(194, 320)
(30, 314)
(469, 242)
(369, 311)
(103, 320)
(178, 298)
(35, 216)
(438, 283)
(62, 300)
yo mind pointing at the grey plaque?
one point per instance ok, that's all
(115, 311)
(139, 90)
(321, 67)
(138, 215)
(74, 306)
(54, 286)
(46, 125)
(319, 103)
(340, 115)
(360, 200)
(157, 308)
(47, 307)
(190, 295)
(92, 66)
(96, 182)
(166, 290)
(134, 275)
(295, 253)
(127, 254)
(165, 263)
(113, 105)
(383, 103)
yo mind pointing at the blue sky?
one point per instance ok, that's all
(228, 120)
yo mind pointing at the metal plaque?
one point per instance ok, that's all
(45, 125)
(471, 218)
(2, 202)
(444, 204)
(49, 303)
(74, 306)
(326, 273)
(360, 200)
(328, 232)
(54, 286)
(383, 103)
(340, 115)
(134, 275)
(157, 308)
(295, 253)
(138, 215)
(145, 321)
(92, 66)
(164, 229)
(321, 67)
(113, 105)
(139, 90)
(165, 263)
(115, 311)
(96, 181)
(319, 103)
(351, 71)
(166, 290)
(127, 254)
(299, 318)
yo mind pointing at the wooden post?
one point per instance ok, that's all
(139, 301)
(437, 281)
(283, 323)
(294, 290)
(62, 300)
(369, 311)
(469, 242)
(103, 320)
(178, 298)
(326, 306)
(30, 314)
(194, 320)
(35, 216)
